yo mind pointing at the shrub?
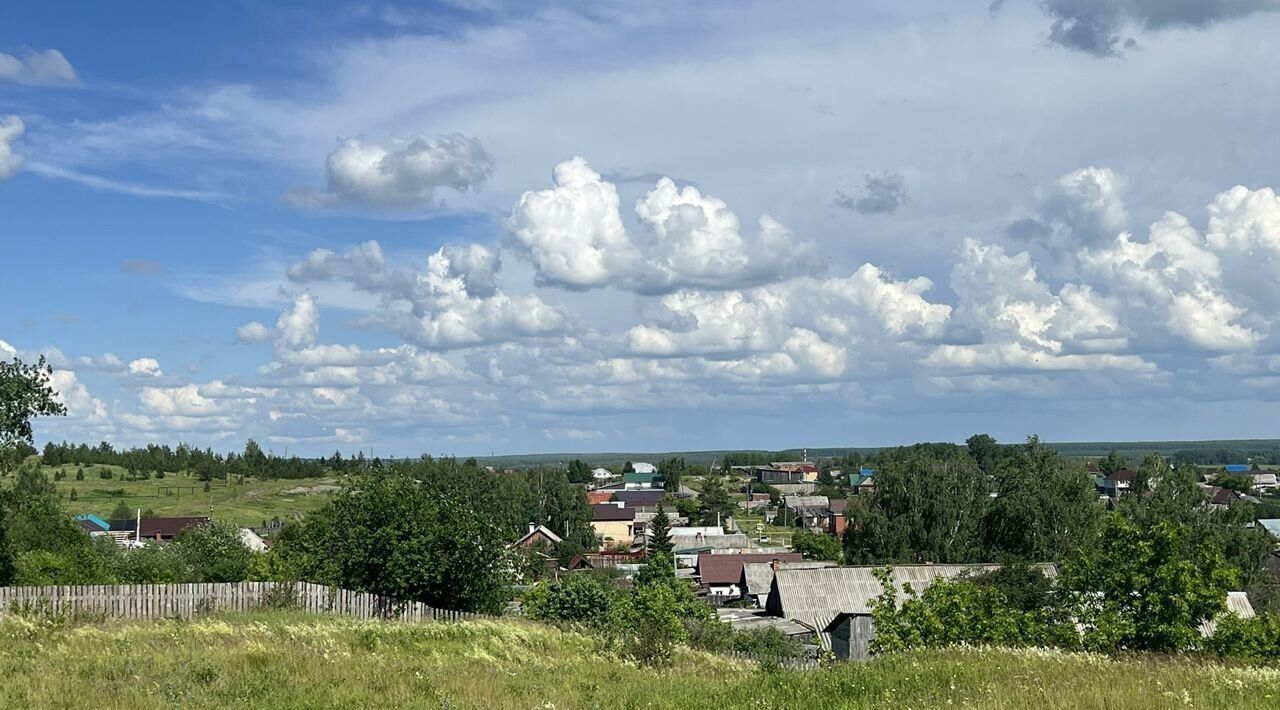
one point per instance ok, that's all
(80, 474)
(214, 552)
(646, 626)
(1256, 639)
(575, 599)
(104, 474)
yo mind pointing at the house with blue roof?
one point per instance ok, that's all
(92, 524)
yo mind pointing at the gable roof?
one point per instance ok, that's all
(92, 523)
(837, 505)
(757, 577)
(1238, 604)
(1236, 467)
(1124, 475)
(607, 512)
(727, 569)
(637, 477)
(816, 596)
(690, 543)
(794, 502)
(537, 530)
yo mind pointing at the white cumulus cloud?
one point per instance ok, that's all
(401, 173)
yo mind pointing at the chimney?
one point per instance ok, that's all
(698, 537)
(774, 564)
(532, 526)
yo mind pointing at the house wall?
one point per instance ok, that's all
(616, 530)
(851, 641)
(836, 524)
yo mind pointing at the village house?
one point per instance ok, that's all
(1118, 483)
(836, 601)
(135, 530)
(757, 577)
(836, 522)
(600, 475)
(614, 524)
(721, 575)
(641, 481)
(810, 510)
(92, 524)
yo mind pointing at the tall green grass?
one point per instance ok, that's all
(289, 661)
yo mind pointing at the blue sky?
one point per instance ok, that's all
(483, 227)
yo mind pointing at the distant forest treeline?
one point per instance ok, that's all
(253, 461)
(204, 463)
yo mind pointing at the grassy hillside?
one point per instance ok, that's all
(287, 661)
(247, 503)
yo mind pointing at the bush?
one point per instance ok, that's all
(1256, 639)
(214, 552)
(646, 626)
(104, 474)
(575, 599)
(79, 474)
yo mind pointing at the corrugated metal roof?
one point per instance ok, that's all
(1238, 604)
(759, 576)
(734, 541)
(754, 619)
(1236, 467)
(1271, 525)
(727, 569)
(815, 596)
(794, 502)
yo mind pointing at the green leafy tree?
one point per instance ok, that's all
(121, 512)
(150, 564)
(660, 533)
(647, 626)
(397, 537)
(672, 471)
(816, 546)
(214, 552)
(715, 507)
(929, 505)
(1147, 588)
(1235, 481)
(80, 473)
(26, 392)
(41, 544)
(579, 472)
(575, 599)
(1044, 507)
(985, 451)
(1111, 463)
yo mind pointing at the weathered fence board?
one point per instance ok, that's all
(157, 601)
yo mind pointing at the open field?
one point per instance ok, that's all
(247, 503)
(288, 661)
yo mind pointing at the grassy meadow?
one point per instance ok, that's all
(284, 660)
(247, 503)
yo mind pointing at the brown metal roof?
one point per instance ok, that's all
(727, 569)
(608, 512)
(157, 527)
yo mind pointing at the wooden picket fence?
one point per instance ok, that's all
(163, 601)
